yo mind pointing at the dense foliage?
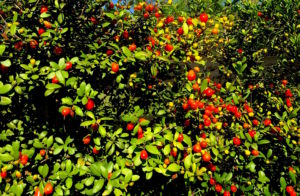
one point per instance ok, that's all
(191, 97)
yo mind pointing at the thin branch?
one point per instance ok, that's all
(3, 20)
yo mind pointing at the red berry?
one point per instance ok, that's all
(126, 34)
(132, 47)
(3, 174)
(191, 75)
(144, 155)
(180, 137)
(252, 133)
(95, 151)
(203, 17)
(255, 122)
(206, 157)
(226, 193)
(48, 189)
(180, 31)
(42, 152)
(114, 67)
(130, 126)
(236, 141)
(255, 152)
(207, 122)
(267, 122)
(86, 140)
(33, 44)
(146, 15)
(90, 104)
(180, 19)
(44, 9)
(218, 188)
(208, 92)
(41, 31)
(288, 93)
(168, 47)
(57, 50)
(37, 192)
(233, 188)
(68, 66)
(65, 111)
(109, 52)
(189, 21)
(111, 5)
(24, 159)
(197, 148)
(259, 14)
(212, 181)
(203, 144)
(289, 189)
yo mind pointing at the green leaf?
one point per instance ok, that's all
(110, 15)
(80, 186)
(90, 114)
(126, 51)
(60, 18)
(87, 123)
(6, 157)
(18, 90)
(5, 89)
(5, 100)
(60, 77)
(228, 177)
(78, 111)
(105, 24)
(57, 150)
(69, 183)
(96, 169)
(251, 166)
(145, 123)
(117, 192)
(282, 183)
(269, 154)
(188, 161)
(235, 98)
(2, 49)
(161, 112)
(152, 149)
(263, 142)
(38, 144)
(43, 170)
(173, 167)
(128, 174)
(6, 63)
(13, 29)
(48, 92)
(59, 140)
(53, 86)
(50, 141)
(187, 140)
(141, 55)
(262, 177)
(291, 174)
(203, 85)
(102, 131)
(135, 178)
(98, 184)
(45, 15)
(185, 28)
(89, 181)
(215, 151)
(67, 101)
